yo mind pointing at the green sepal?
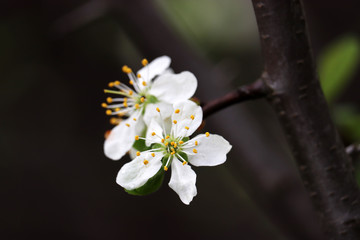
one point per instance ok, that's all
(156, 145)
(185, 139)
(184, 156)
(152, 185)
(140, 144)
(152, 99)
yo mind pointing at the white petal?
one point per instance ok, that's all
(174, 88)
(183, 180)
(135, 174)
(211, 151)
(132, 153)
(183, 118)
(154, 127)
(121, 138)
(166, 110)
(156, 67)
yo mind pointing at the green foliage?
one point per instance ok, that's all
(347, 118)
(152, 185)
(337, 64)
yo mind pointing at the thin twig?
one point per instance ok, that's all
(244, 93)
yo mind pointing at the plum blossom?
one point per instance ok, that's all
(132, 109)
(174, 149)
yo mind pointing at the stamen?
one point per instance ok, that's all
(138, 75)
(172, 143)
(144, 62)
(157, 109)
(194, 150)
(165, 168)
(125, 104)
(142, 99)
(128, 125)
(108, 112)
(153, 134)
(192, 117)
(136, 137)
(166, 143)
(196, 143)
(153, 154)
(145, 161)
(114, 121)
(104, 105)
(162, 140)
(175, 145)
(207, 134)
(109, 100)
(175, 122)
(117, 109)
(167, 164)
(137, 153)
(144, 83)
(184, 162)
(167, 137)
(181, 142)
(177, 110)
(111, 84)
(131, 82)
(137, 106)
(187, 128)
(131, 92)
(117, 82)
(134, 119)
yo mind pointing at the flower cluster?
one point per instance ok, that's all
(155, 122)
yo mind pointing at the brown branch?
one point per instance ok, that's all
(301, 107)
(353, 151)
(244, 93)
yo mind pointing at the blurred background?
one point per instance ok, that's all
(56, 57)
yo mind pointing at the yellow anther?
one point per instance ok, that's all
(128, 125)
(177, 110)
(117, 109)
(167, 137)
(124, 68)
(184, 162)
(157, 109)
(142, 99)
(137, 106)
(138, 75)
(175, 145)
(153, 154)
(143, 83)
(104, 105)
(162, 140)
(136, 137)
(144, 62)
(153, 134)
(131, 82)
(134, 119)
(192, 117)
(207, 134)
(166, 143)
(181, 142)
(108, 112)
(114, 121)
(165, 168)
(117, 82)
(175, 122)
(194, 150)
(131, 92)
(125, 104)
(172, 143)
(109, 100)
(121, 114)
(187, 128)
(172, 153)
(111, 84)
(145, 161)
(196, 143)
(137, 153)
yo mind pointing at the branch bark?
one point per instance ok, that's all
(298, 100)
(248, 92)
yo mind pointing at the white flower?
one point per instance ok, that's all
(175, 150)
(133, 103)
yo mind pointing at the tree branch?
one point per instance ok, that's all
(301, 107)
(248, 92)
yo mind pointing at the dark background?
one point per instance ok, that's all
(56, 57)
